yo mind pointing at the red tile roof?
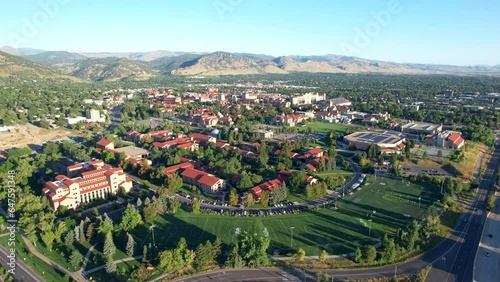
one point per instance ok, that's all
(190, 173)
(208, 180)
(456, 139)
(104, 142)
(203, 137)
(316, 151)
(256, 191)
(200, 176)
(269, 185)
(310, 167)
(185, 145)
(175, 168)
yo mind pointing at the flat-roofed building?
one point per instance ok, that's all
(414, 127)
(387, 142)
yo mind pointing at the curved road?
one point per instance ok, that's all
(452, 259)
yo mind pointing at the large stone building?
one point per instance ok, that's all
(85, 182)
(307, 98)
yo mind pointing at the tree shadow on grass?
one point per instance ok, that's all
(167, 234)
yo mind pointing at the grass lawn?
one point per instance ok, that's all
(325, 127)
(324, 174)
(60, 255)
(464, 169)
(468, 166)
(393, 201)
(298, 198)
(96, 258)
(338, 232)
(45, 271)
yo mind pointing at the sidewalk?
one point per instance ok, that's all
(77, 276)
(86, 259)
(95, 269)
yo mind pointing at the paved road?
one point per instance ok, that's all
(459, 264)
(261, 274)
(23, 273)
(488, 255)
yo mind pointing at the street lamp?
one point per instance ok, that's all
(370, 227)
(153, 233)
(291, 235)
(419, 201)
(154, 244)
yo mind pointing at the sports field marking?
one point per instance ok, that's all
(284, 226)
(198, 236)
(272, 232)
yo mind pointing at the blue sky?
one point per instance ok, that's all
(419, 31)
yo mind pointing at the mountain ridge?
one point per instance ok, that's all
(16, 66)
(142, 65)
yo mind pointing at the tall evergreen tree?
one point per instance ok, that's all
(144, 253)
(76, 231)
(110, 266)
(109, 248)
(130, 245)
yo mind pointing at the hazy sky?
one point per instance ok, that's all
(419, 31)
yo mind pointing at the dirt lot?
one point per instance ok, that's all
(30, 135)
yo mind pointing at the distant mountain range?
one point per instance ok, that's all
(107, 66)
(11, 65)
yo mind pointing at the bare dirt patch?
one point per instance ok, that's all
(29, 134)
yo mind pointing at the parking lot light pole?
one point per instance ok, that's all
(370, 228)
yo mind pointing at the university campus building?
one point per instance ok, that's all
(85, 182)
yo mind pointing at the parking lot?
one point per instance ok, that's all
(434, 171)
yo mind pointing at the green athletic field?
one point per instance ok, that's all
(337, 231)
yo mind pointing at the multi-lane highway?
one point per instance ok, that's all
(459, 265)
(487, 257)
